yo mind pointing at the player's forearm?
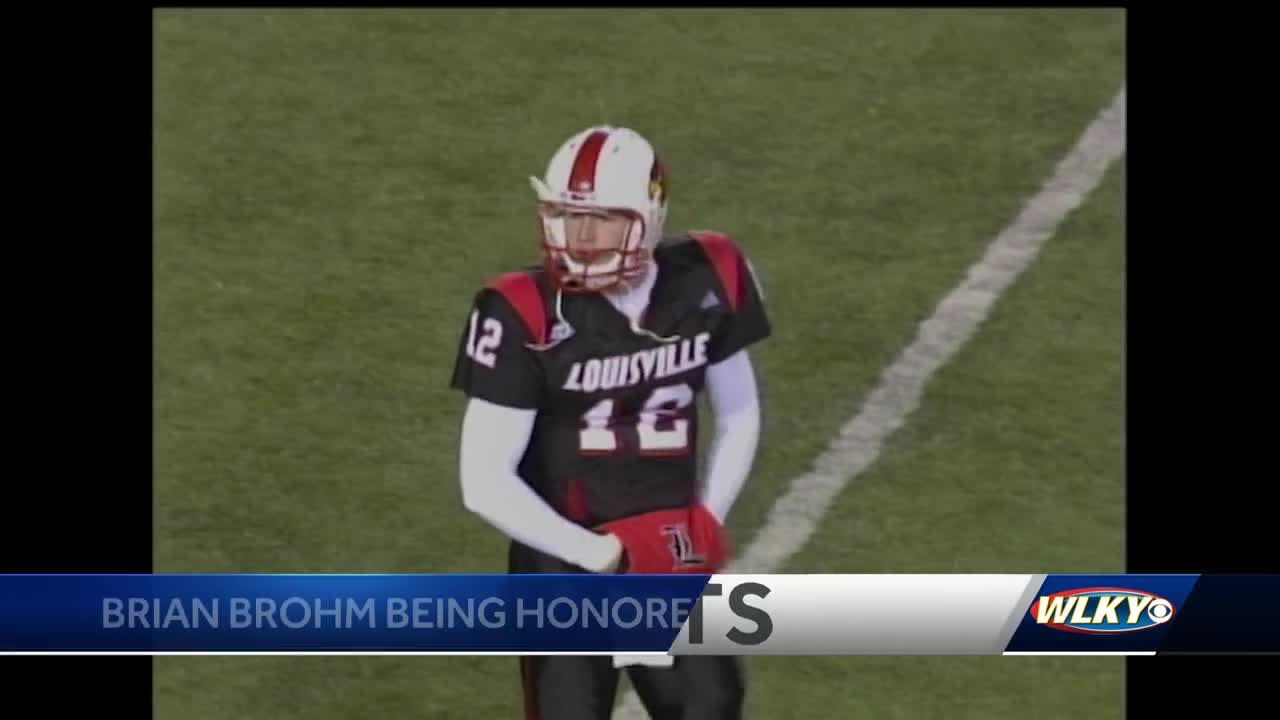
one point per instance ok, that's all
(730, 460)
(526, 518)
(735, 403)
(493, 440)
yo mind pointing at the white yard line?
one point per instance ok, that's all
(795, 516)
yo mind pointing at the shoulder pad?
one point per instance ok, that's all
(726, 258)
(522, 291)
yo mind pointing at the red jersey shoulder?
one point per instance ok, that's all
(720, 252)
(526, 293)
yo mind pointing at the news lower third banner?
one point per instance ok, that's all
(944, 614)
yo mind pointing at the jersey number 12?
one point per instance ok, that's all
(481, 348)
(660, 428)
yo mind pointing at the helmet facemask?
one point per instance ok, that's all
(621, 259)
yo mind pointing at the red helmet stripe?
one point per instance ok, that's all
(583, 176)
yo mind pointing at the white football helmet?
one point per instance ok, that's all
(602, 168)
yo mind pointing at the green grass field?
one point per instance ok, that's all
(332, 187)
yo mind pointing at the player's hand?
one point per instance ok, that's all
(615, 558)
(678, 541)
(604, 556)
(710, 534)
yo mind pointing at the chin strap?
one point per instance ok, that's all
(635, 328)
(634, 321)
(562, 330)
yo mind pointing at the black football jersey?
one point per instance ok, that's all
(616, 432)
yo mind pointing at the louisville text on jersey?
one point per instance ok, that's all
(635, 368)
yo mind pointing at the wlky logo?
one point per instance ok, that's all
(1102, 611)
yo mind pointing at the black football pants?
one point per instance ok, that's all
(697, 687)
(555, 687)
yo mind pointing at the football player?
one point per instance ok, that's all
(580, 435)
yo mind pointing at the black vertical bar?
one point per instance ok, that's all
(78, 486)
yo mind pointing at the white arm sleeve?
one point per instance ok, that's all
(494, 439)
(731, 384)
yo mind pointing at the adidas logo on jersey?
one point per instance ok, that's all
(639, 367)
